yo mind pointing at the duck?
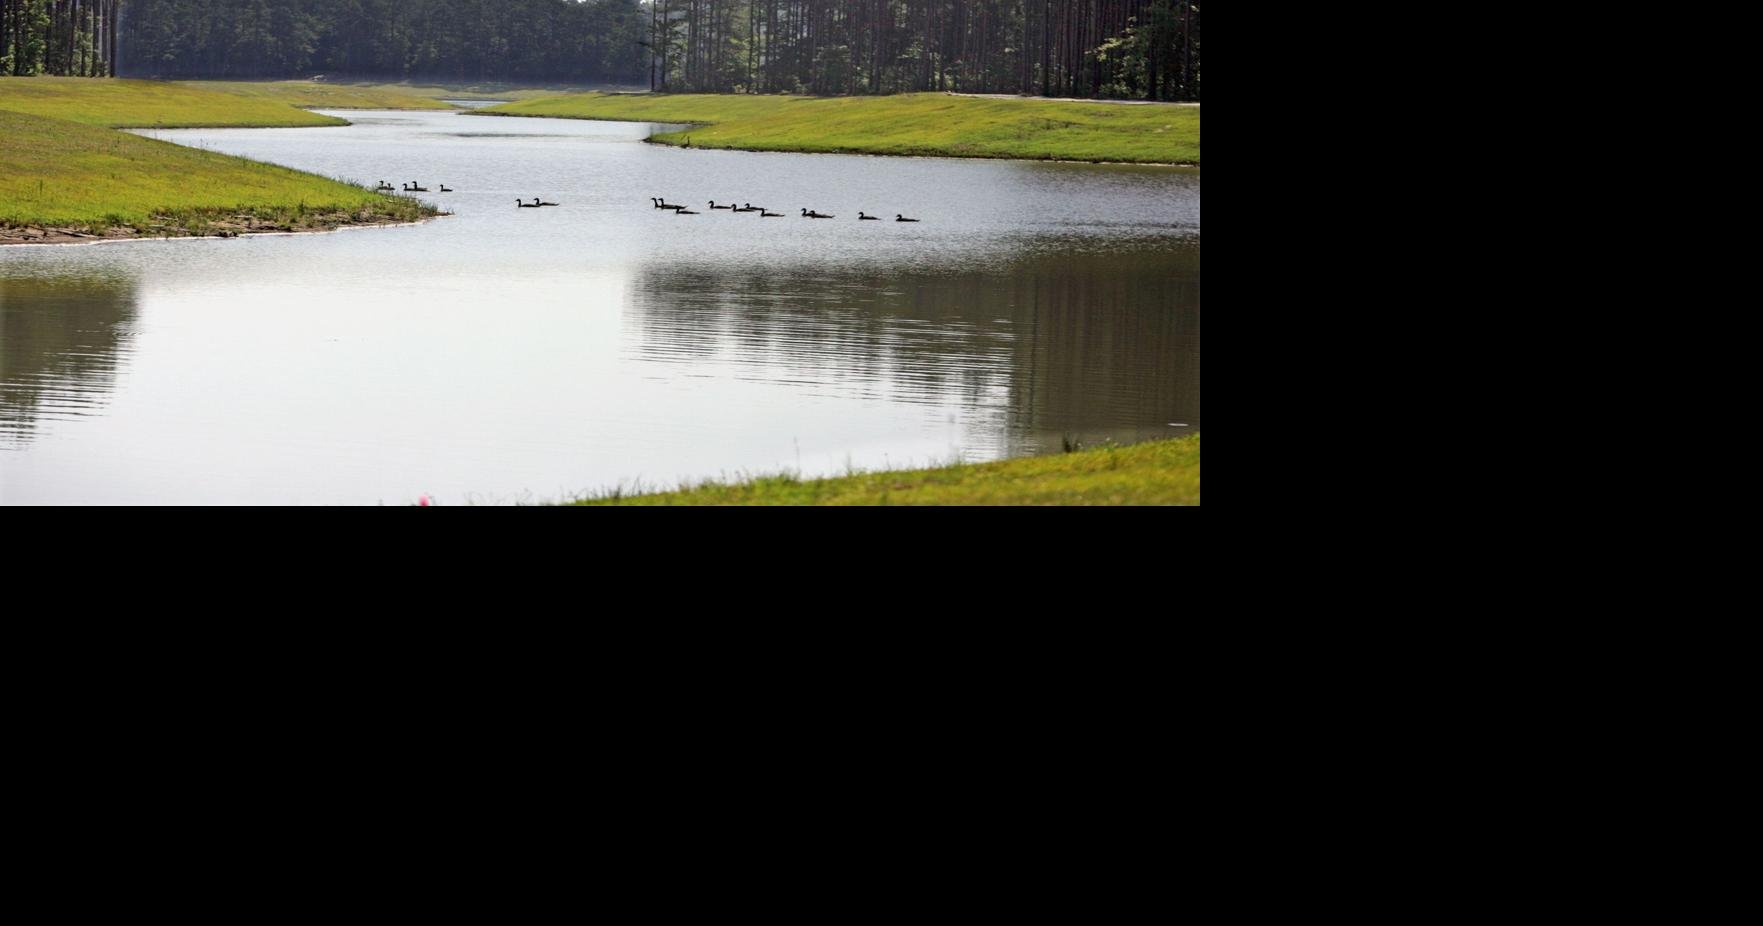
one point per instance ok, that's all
(867, 218)
(536, 201)
(713, 205)
(418, 189)
(445, 188)
(770, 215)
(683, 211)
(811, 214)
(749, 207)
(664, 204)
(385, 186)
(525, 205)
(900, 218)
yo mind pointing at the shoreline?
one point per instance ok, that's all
(1161, 472)
(654, 140)
(63, 237)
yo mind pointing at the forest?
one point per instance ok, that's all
(1123, 49)
(74, 38)
(1128, 49)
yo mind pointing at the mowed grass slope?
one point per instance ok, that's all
(936, 124)
(1157, 473)
(137, 104)
(315, 95)
(55, 173)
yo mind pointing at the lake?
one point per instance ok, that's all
(503, 355)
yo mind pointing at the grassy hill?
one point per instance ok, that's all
(144, 104)
(57, 174)
(938, 124)
(322, 95)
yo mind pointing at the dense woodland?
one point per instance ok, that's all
(1131, 49)
(516, 40)
(70, 37)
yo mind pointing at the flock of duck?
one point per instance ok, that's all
(659, 203)
(411, 187)
(749, 207)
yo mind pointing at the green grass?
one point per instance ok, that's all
(483, 90)
(63, 174)
(1156, 473)
(348, 94)
(316, 95)
(909, 124)
(136, 104)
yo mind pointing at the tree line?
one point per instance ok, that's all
(578, 41)
(1127, 49)
(1132, 49)
(71, 38)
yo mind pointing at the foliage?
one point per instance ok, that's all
(1139, 49)
(1136, 49)
(71, 38)
(523, 40)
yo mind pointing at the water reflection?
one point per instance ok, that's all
(1032, 350)
(62, 343)
(501, 351)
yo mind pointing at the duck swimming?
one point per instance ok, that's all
(524, 205)
(900, 218)
(770, 215)
(867, 218)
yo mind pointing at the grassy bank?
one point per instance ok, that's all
(346, 94)
(62, 179)
(481, 90)
(316, 95)
(136, 104)
(909, 124)
(1157, 473)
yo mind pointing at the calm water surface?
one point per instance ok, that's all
(505, 354)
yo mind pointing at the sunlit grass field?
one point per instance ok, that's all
(351, 94)
(55, 173)
(1157, 473)
(909, 124)
(136, 104)
(479, 90)
(324, 95)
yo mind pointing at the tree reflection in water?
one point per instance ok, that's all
(62, 341)
(1049, 345)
